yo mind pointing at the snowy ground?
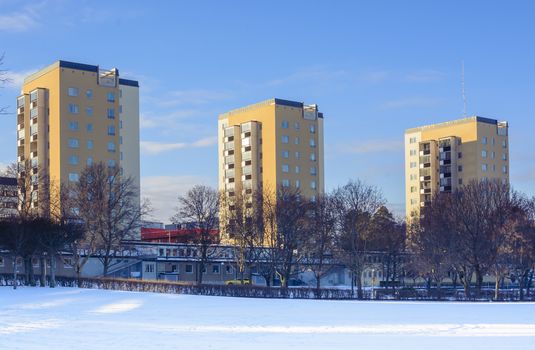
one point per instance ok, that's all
(68, 318)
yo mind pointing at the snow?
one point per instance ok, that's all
(62, 318)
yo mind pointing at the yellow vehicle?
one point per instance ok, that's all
(237, 282)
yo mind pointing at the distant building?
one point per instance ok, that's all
(175, 235)
(442, 157)
(271, 144)
(8, 197)
(70, 115)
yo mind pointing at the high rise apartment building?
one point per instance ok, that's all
(442, 157)
(271, 144)
(70, 115)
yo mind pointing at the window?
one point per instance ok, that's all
(296, 140)
(504, 156)
(460, 181)
(110, 97)
(89, 94)
(74, 143)
(90, 127)
(313, 156)
(484, 167)
(413, 189)
(312, 129)
(89, 144)
(89, 111)
(72, 91)
(189, 268)
(285, 183)
(111, 113)
(297, 184)
(111, 163)
(312, 143)
(297, 155)
(111, 130)
(504, 169)
(74, 177)
(459, 168)
(73, 126)
(313, 171)
(313, 185)
(297, 126)
(73, 108)
(492, 141)
(412, 140)
(460, 155)
(1, 261)
(413, 165)
(285, 154)
(484, 140)
(412, 152)
(111, 147)
(297, 169)
(413, 177)
(285, 168)
(228, 269)
(285, 139)
(74, 160)
(215, 269)
(89, 161)
(284, 124)
(504, 144)
(484, 153)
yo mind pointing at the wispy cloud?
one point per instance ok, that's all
(163, 191)
(23, 20)
(310, 74)
(371, 146)
(16, 78)
(424, 76)
(150, 147)
(375, 76)
(412, 102)
(192, 97)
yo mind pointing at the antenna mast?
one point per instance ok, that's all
(462, 89)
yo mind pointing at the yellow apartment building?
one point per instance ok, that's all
(442, 157)
(270, 144)
(70, 115)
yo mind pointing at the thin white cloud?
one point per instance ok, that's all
(371, 146)
(163, 191)
(192, 97)
(309, 74)
(150, 147)
(425, 76)
(412, 102)
(16, 78)
(375, 76)
(23, 20)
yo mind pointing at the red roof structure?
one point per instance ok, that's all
(160, 235)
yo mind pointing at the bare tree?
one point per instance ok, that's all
(200, 205)
(106, 203)
(242, 220)
(432, 242)
(3, 80)
(388, 236)
(356, 203)
(319, 243)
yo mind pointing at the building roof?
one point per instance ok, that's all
(77, 66)
(452, 122)
(271, 101)
(8, 181)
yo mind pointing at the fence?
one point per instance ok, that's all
(251, 291)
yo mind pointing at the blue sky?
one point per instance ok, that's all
(375, 68)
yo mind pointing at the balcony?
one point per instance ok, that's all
(445, 161)
(248, 169)
(229, 146)
(20, 143)
(229, 173)
(246, 155)
(425, 152)
(425, 178)
(445, 188)
(445, 149)
(20, 134)
(33, 154)
(425, 165)
(33, 138)
(425, 190)
(20, 159)
(229, 160)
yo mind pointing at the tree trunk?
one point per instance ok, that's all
(479, 280)
(497, 287)
(15, 272)
(42, 267)
(360, 294)
(352, 285)
(52, 270)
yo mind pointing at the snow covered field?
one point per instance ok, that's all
(69, 318)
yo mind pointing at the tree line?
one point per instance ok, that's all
(86, 218)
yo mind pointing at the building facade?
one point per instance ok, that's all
(271, 144)
(442, 157)
(71, 115)
(9, 198)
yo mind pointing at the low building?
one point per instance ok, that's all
(8, 196)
